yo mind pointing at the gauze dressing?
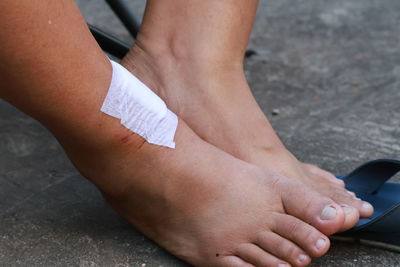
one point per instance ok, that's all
(139, 108)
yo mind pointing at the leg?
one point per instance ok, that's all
(52, 69)
(194, 60)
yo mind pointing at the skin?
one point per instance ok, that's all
(200, 203)
(196, 66)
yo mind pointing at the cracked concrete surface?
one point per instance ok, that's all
(330, 68)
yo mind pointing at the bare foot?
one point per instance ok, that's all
(202, 204)
(216, 102)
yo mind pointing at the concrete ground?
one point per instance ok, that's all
(330, 68)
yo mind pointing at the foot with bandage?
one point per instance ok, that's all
(205, 84)
(198, 202)
(202, 204)
(223, 112)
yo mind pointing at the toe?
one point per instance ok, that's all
(309, 239)
(352, 194)
(311, 207)
(351, 217)
(282, 248)
(342, 196)
(349, 205)
(255, 255)
(366, 210)
(233, 261)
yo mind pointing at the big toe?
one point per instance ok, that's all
(311, 207)
(353, 206)
(335, 189)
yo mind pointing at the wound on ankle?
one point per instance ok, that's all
(139, 109)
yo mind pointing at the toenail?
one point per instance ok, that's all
(351, 193)
(303, 257)
(347, 209)
(367, 207)
(282, 265)
(328, 213)
(320, 244)
(356, 198)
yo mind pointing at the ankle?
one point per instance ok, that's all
(159, 58)
(173, 79)
(185, 46)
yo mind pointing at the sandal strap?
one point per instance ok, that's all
(369, 177)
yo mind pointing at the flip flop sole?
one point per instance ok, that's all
(367, 242)
(369, 182)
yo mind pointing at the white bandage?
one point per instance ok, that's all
(139, 108)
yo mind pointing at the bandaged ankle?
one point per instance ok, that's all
(139, 108)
